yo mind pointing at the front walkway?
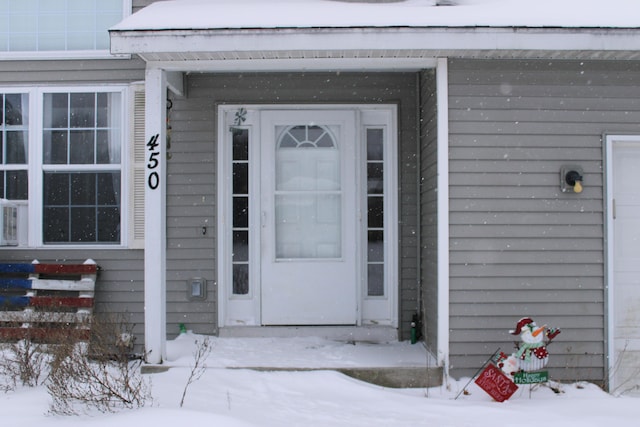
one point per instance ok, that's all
(390, 364)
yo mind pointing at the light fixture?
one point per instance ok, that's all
(571, 179)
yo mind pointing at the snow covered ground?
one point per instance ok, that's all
(243, 397)
(302, 352)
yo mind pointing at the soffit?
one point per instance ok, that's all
(388, 54)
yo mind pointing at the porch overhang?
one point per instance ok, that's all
(366, 48)
(169, 47)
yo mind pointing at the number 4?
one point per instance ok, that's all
(153, 142)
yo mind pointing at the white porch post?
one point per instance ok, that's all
(155, 216)
(442, 88)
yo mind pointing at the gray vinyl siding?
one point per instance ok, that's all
(519, 246)
(68, 72)
(191, 196)
(429, 208)
(191, 205)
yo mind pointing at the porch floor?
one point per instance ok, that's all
(389, 364)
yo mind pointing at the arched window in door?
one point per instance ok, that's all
(308, 193)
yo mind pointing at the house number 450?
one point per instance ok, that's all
(154, 179)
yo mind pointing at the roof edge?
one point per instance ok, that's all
(382, 28)
(399, 38)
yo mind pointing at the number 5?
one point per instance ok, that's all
(153, 162)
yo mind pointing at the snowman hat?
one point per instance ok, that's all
(521, 324)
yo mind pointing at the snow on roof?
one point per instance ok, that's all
(243, 14)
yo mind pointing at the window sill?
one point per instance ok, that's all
(66, 247)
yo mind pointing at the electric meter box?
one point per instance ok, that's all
(196, 289)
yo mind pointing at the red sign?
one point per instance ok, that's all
(496, 383)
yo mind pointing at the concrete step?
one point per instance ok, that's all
(397, 377)
(381, 361)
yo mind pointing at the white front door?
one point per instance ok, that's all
(308, 219)
(307, 215)
(625, 215)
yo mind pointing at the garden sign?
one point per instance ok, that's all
(524, 366)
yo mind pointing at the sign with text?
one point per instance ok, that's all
(496, 383)
(531, 377)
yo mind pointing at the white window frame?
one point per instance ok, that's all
(22, 205)
(67, 54)
(20, 166)
(380, 118)
(36, 167)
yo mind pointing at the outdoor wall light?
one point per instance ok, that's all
(571, 179)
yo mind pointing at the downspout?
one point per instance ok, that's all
(419, 304)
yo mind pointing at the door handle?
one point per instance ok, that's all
(263, 219)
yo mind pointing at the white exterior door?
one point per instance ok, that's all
(307, 215)
(625, 216)
(308, 262)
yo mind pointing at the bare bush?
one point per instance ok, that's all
(25, 356)
(99, 375)
(23, 363)
(78, 384)
(200, 354)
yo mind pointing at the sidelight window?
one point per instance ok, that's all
(375, 212)
(240, 207)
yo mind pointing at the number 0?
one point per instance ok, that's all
(153, 180)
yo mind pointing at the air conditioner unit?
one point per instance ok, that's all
(8, 223)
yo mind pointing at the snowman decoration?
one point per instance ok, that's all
(532, 354)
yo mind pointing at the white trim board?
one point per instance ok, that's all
(613, 364)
